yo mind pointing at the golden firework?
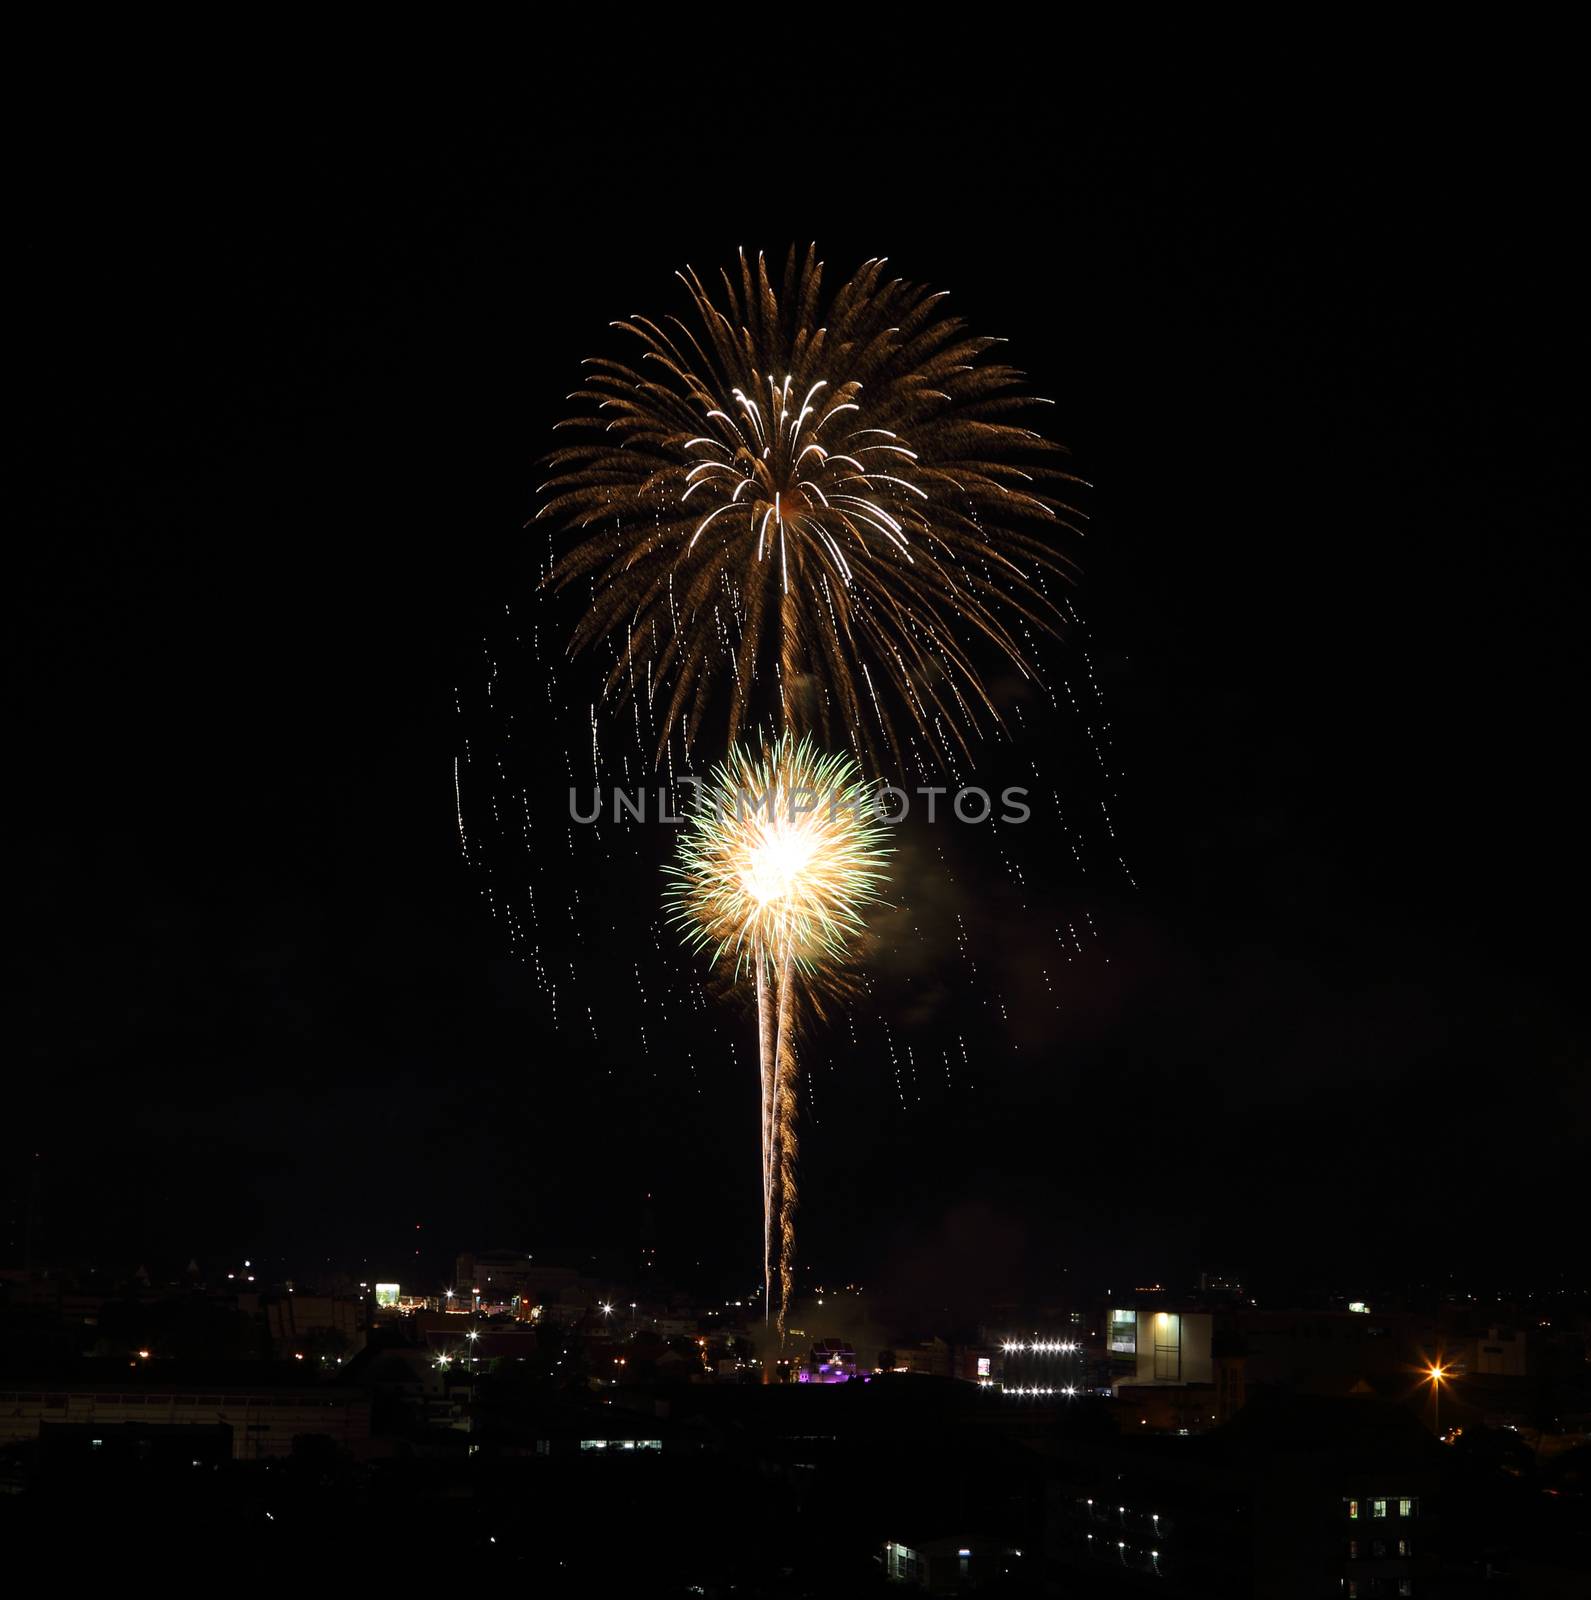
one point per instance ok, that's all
(781, 857)
(813, 505)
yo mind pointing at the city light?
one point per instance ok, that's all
(1436, 1374)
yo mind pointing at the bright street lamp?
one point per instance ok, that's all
(1436, 1373)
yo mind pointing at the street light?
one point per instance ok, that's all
(1436, 1372)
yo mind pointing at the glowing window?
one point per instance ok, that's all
(1405, 1508)
(1378, 1508)
(1353, 1510)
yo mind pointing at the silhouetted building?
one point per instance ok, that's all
(1297, 1496)
(96, 1449)
(499, 1277)
(306, 1322)
(266, 1404)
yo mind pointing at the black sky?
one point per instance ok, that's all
(285, 385)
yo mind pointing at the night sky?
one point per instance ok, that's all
(285, 389)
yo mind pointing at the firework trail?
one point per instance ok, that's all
(777, 863)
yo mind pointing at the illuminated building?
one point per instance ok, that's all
(1121, 1333)
(937, 1566)
(979, 1363)
(1192, 1367)
(1175, 1347)
(828, 1362)
(1042, 1367)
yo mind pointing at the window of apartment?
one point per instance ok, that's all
(1406, 1508)
(1405, 1585)
(1403, 1548)
(1353, 1510)
(1378, 1508)
(1124, 1332)
(1353, 1549)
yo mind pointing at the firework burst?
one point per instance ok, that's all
(783, 853)
(810, 507)
(778, 863)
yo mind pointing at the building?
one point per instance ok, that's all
(412, 1378)
(1174, 1347)
(118, 1448)
(829, 1361)
(1121, 1336)
(313, 1324)
(936, 1566)
(1492, 1352)
(1182, 1368)
(1298, 1496)
(266, 1404)
(979, 1363)
(500, 1277)
(1176, 1383)
(1040, 1366)
(931, 1357)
